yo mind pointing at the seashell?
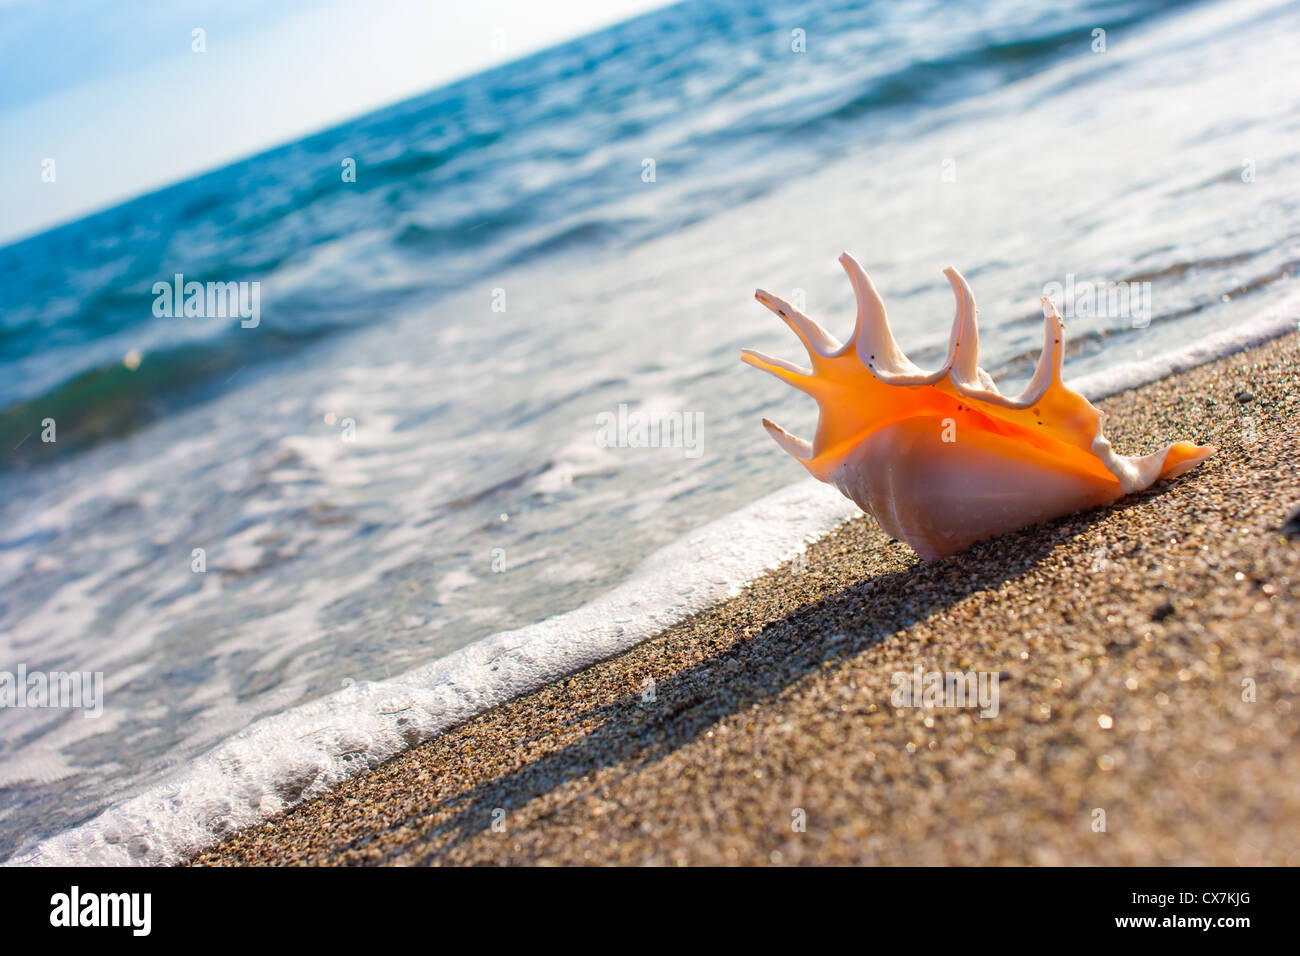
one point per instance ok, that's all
(942, 459)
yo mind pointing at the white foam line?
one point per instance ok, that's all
(1269, 324)
(302, 753)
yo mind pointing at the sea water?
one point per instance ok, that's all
(499, 370)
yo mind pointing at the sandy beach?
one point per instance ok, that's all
(1128, 643)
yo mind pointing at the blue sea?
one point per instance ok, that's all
(402, 456)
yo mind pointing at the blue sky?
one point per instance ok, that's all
(113, 92)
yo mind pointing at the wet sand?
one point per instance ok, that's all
(1124, 641)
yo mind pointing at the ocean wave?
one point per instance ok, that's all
(302, 752)
(454, 179)
(113, 399)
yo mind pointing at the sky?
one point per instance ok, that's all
(118, 96)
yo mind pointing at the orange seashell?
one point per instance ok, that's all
(942, 459)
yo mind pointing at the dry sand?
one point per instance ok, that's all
(1122, 638)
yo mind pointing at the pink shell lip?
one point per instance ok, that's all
(882, 435)
(974, 496)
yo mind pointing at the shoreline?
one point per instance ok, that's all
(1121, 638)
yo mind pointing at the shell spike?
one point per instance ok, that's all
(1053, 338)
(872, 323)
(871, 335)
(800, 378)
(796, 447)
(1052, 358)
(965, 344)
(815, 339)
